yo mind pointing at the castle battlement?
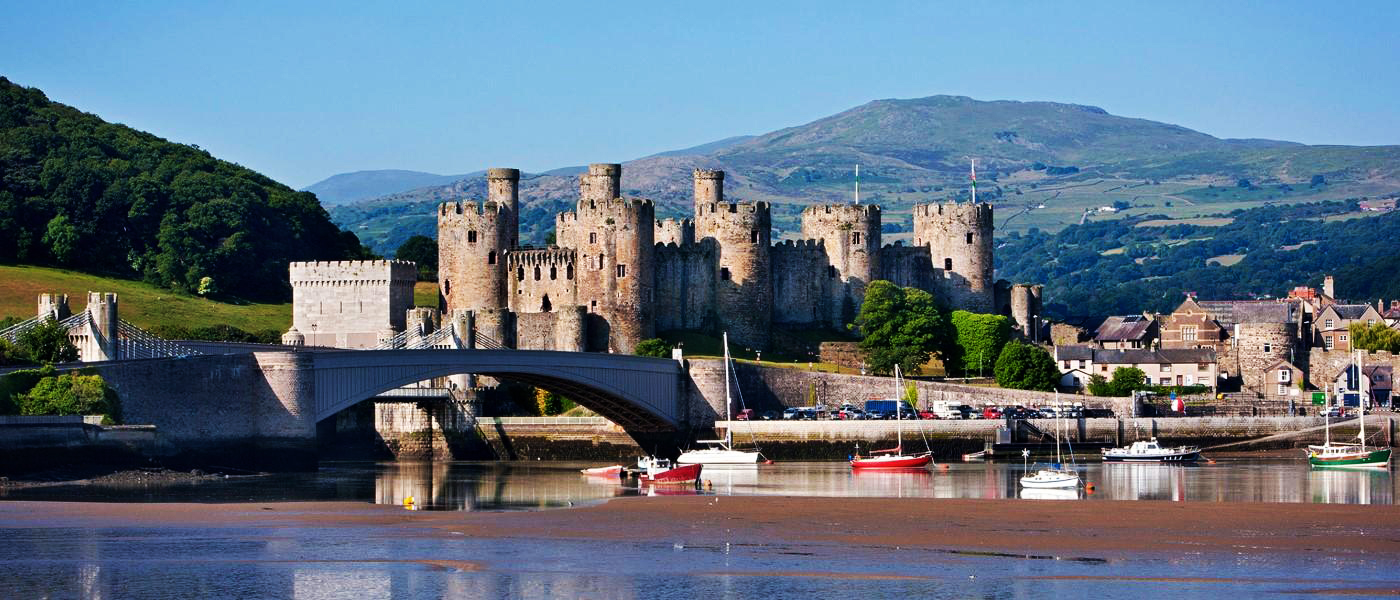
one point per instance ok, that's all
(675, 231)
(963, 211)
(541, 256)
(470, 207)
(851, 211)
(800, 245)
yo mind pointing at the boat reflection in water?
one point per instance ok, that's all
(729, 479)
(1145, 481)
(488, 486)
(892, 483)
(1050, 493)
(1341, 486)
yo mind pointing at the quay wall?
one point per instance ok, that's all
(29, 444)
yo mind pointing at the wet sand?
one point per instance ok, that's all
(1095, 530)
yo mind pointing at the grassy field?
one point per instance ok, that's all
(425, 293)
(142, 304)
(1203, 221)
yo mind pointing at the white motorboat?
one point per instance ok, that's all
(721, 452)
(1151, 451)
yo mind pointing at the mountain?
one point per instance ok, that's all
(80, 193)
(359, 185)
(1042, 163)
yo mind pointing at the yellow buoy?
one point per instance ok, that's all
(408, 501)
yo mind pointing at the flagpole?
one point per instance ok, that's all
(974, 181)
(857, 183)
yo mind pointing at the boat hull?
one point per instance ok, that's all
(1354, 460)
(891, 462)
(1042, 481)
(1166, 457)
(714, 456)
(612, 471)
(680, 474)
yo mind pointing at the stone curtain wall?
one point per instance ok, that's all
(348, 304)
(685, 287)
(907, 266)
(538, 275)
(802, 284)
(850, 233)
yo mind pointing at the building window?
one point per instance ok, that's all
(553, 273)
(1166, 381)
(855, 237)
(1284, 375)
(1327, 342)
(1344, 337)
(471, 237)
(600, 262)
(593, 306)
(569, 272)
(622, 270)
(1370, 322)
(1282, 389)
(1103, 368)
(491, 257)
(592, 237)
(947, 264)
(1165, 368)
(1327, 323)
(1188, 333)
(520, 273)
(1066, 367)
(1080, 364)
(724, 273)
(545, 306)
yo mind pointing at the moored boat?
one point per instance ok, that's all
(1345, 455)
(608, 471)
(721, 452)
(893, 458)
(661, 470)
(1151, 451)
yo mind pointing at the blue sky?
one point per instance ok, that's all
(304, 90)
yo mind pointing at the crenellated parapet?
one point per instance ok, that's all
(959, 239)
(351, 303)
(602, 182)
(675, 231)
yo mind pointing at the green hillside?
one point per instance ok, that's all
(80, 193)
(1043, 165)
(144, 305)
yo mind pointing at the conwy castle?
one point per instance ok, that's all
(617, 276)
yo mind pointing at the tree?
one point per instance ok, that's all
(1377, 337)
(1127, 380)
(900, 326)
(71, 395)
(653, 347)
(1099, 386)
(1026, 367)
(423, 251)
(47, 343)
(979, 341)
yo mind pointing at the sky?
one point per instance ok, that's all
(304, 90)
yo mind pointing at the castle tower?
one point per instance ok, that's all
(851, 235)
(503, 188)
(472, 240)
(742, 232)
(959, 239)
(602, 182)
(54, 305)
(614, 241)
(1025, 309)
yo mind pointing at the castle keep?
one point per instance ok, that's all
(617, 275)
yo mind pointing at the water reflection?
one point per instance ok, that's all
(1049, 494)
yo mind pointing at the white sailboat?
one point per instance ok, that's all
(721, 452)
(1056, 476)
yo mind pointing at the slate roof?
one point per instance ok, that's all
(1162, 356)
(1230, 312)
(1350, 311)
(1123, 329)
(1074, 353)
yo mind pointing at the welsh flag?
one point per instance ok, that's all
(974, 180)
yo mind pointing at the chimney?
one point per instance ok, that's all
(1329, 287)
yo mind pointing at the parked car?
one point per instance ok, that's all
(991, 412)
(1047, 413)
(744, 415)
(927, 414)
(770, 415)
(792, 414)
(968, 412)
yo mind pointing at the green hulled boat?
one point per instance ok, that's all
(1348, 455)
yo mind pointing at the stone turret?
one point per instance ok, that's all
(851, 235)
(602, 182)
(709, 187)
(614, 239)
(503, 188)
(742, 232)
(54, 305)
(1025, 309)
(472, 242)
(959, 238)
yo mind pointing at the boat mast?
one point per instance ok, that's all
(898, 413)
(1058, 464)
(1361, 399)
(729, 427)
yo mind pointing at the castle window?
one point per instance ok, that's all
(831, 271)
(855, 237)
(600, 262)
(969, 237)
(471, 237)
(520, 273)
(1267, 348)
(753, 236)
(622, 270)
(569, 272)
(593, 306)
(537, 273)
(947, 264)
(447, 287)
(592, 237)
(491, 257)
(553, 273)
(724, 273)
(545, 306)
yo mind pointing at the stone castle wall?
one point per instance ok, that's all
(541, 279)
(802, 283)
(685, 287)
(350, 304)
(472, 248)
(744, 287)
(1255, 347)
(907, 266)
(851, 236)
(959, 238)
(614, 240)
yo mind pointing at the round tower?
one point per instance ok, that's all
(615, 244)
(601, 183)
(850, 233)
(471, 255)
(959, 239)
(503, 188)
(742, 233)
(709, 186)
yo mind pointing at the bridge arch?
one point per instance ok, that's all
(641, 394)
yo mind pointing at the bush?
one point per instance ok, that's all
(71, 395)
(980, 339)
(47, 343)
(1026, 367)
(653, 347)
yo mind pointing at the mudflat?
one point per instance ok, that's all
(1073, 528)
